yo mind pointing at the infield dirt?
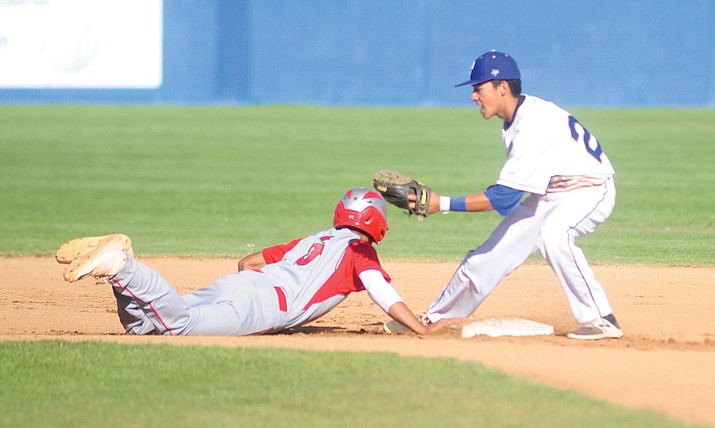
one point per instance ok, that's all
(666, 361)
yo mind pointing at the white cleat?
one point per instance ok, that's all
(394, 327)
(70, 250)
(108, 257)
(600, 328)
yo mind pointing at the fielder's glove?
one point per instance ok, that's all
(396, 188)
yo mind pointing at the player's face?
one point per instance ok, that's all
(487, 98)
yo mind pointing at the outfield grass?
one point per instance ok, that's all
(60, 384)
(226, 180)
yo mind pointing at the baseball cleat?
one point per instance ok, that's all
(600, 328)
(70, 250)
(108, 257)
(394, 327)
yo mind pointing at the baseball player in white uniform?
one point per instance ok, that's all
(561, 166)
(281, 287)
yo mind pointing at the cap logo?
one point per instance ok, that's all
(473, 64)
(495, 72)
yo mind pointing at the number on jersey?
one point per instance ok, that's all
(315, 250)
(581, 134)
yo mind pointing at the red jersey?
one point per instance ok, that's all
(319, 271)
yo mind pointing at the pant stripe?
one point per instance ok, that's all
(573, 256)
(282, 301)
(151, 306)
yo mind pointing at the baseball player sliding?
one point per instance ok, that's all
(281, 287)
(561, 166)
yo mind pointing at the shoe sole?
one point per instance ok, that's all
(70, 250)
(84, 265)
(611, 335)
(394, 327)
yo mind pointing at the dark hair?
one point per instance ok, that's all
(514, 86)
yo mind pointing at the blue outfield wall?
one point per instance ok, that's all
(579, 53)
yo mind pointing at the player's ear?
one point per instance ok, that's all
(503, 88)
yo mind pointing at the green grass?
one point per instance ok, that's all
(224, 180)
(61, 384)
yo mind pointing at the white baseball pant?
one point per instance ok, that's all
(550, 224)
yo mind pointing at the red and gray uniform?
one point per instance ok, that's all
(303, 280)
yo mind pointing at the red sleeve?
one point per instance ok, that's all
(275, 253)
(365, 258)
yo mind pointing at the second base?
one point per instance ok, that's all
(495, 327)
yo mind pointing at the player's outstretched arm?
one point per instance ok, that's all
(387, 298)
(472, 203)
(402, 314)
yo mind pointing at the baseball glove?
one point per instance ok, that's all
(396, 188)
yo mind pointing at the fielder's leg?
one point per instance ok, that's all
(579, 213)
(508, 247)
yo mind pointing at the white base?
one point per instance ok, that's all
(495, 327)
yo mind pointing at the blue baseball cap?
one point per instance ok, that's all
(492, 65)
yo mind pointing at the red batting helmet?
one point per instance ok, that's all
(365, 210)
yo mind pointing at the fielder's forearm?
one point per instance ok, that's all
(471, 203)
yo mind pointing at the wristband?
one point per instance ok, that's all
(447, 203)
(444, 203)
(458, 203)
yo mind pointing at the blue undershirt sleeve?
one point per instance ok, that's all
(503, 199)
